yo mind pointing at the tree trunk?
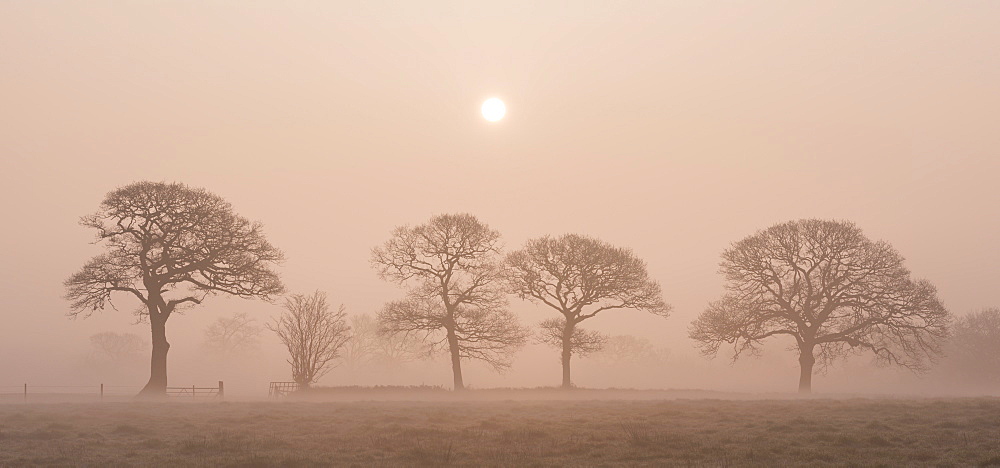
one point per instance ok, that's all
(567, 353)
(806, 362)
(157, 385)
(456, 359)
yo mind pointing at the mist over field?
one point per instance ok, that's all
(673, 130)
(682, 145)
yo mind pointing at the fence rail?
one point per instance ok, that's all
(198, 392)
(25, 391)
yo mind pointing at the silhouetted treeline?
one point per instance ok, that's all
(820, 286)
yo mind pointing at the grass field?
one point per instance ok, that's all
(679, 432)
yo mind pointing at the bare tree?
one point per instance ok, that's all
(581, 343)
(631, 349)
(370, 346)
(457, 298)
(313, 334)
(117, 347)
(581, 277)
(236, 334)
(360, 350)
(832, 290)
(392, 350)
(974, 348)
(490, 335)
(170, 246)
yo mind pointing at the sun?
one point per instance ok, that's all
(494, 109)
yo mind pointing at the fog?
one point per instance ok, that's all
(673, 129)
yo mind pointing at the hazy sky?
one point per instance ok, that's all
(673, 128)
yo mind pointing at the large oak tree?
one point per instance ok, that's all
(830, 289)
(581, 277)
(456, 298)
(170, 246)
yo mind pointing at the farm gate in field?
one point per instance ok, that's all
(280, 389)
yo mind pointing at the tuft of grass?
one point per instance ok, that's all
(847, 440)
(255, 460)
(228, 442)
(636, 433)
(431, 454)
(128, 429)
(991, 461)
(42, 434)
(152, 444)
(878, 440)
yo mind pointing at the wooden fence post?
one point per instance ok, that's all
(102, 392)
(25, 393)
(222, 391)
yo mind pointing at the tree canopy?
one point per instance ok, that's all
(580, 277)
(830, 289)
(456, 296)
(170, 246)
